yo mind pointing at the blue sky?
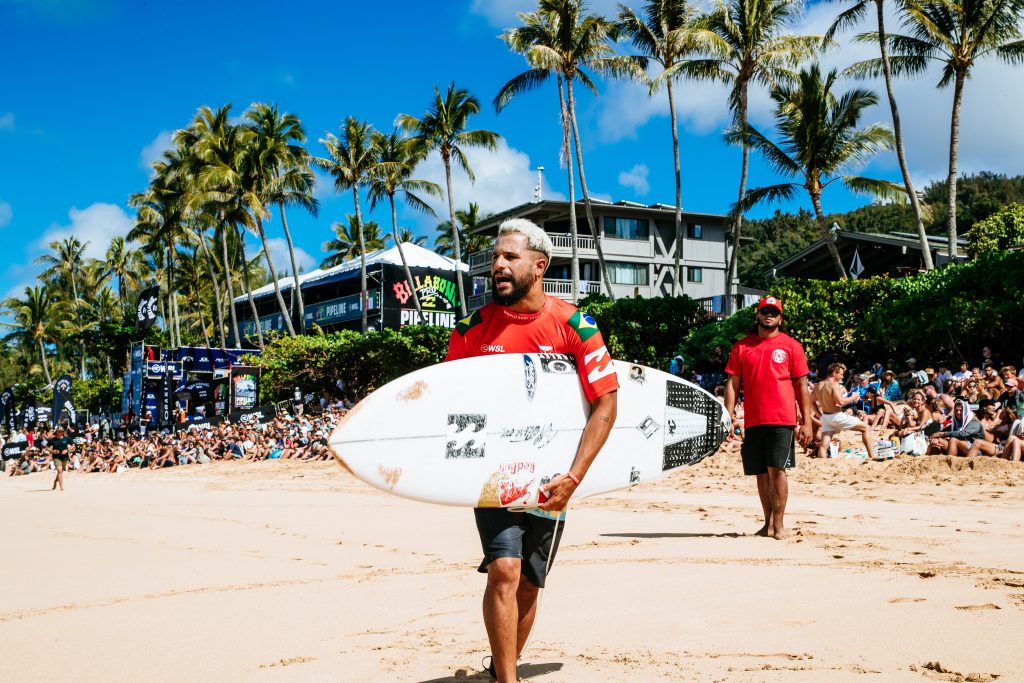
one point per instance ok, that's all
(92, 90)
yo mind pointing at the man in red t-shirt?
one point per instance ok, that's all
(771, 369)
(523, 319)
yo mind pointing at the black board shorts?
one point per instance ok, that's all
(504, 533)
(767, 446)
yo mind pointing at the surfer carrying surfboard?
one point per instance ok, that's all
(771, 369)
(519, 547)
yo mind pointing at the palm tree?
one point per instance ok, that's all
(443, 128)
(818, 138)
(36, 319)
(468, 219)
(63, 267)
(752, 46)
(291, 181)
(664, 35)
(218, 145)
(126, 264)
(538, 29)
(848, 18)
(397, 159)
(347, 244)
(352, 159)
(407, 236)
(955, 34)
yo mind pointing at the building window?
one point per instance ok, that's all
(627, 228)
(695, 231)
(694, 274)
(627, 273)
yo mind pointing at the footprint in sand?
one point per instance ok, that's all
(895, 601)
(987, 605)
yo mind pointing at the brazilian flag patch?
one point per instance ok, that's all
(583, 324)
(464, 325)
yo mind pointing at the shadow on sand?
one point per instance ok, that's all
(670, 535)
(526, 671)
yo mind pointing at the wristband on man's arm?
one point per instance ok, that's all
(572, 476)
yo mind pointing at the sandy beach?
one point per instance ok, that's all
(909, 570)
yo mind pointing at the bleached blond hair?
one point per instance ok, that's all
(536, 239)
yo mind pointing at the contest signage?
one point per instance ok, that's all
(146, 308)
(14, 449)
(160, 369)
(245, 387)
(339, 310)
(257, 415)
(436, 290)
(62, 401)
(7, 409)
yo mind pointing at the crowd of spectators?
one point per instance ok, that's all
(974, 410)
(99, 448)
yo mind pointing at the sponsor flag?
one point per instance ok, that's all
(62, 401)
(30, 412)
(146, 308)
(7, 409)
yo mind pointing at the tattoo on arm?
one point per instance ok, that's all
(604, 418)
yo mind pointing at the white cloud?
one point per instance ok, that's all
(154, 151)
(6, 213)
(636, 178)
(94, 226)
(278, 248)
(502, 13)
(323, 188)
(504, 178)
(7, 121)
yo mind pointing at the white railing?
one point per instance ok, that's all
(563, 241)
(564, 287)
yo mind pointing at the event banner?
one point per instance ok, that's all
(262, 414)
(159, 369)
(62, 401)
(165, 416)
(7, 409)
(30, 412)
(14, 449)
(146, 308)
(245, 387)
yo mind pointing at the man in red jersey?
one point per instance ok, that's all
(523, 319)
(771, 369)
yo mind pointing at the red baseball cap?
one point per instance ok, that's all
(770, 302)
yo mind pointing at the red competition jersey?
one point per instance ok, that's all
(559, 327)
(767, 368)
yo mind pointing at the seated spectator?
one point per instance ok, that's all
(964, 429)
(991, 418)
(890, 388)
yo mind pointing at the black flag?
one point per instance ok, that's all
(62, 400)
(146, 309)
(7, 409)
(30, 412)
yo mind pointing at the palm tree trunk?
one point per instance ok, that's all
(677, 284)
(737, 224)
(46, 366)
(78, 317)
(954, 149)
(586, 195)
(296, 290)
(446, 157)
(897, 129)
(830, 240)
(573, 230)
(405, 264)
(202, 322)
(364, 302)
(248, 290)
(216, 289)
(227, 282)
(273, 276)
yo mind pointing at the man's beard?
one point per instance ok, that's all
(520, 288)
(761, 324)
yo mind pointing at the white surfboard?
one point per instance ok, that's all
(489, 431)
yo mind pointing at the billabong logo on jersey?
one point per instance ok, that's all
(779, 356)
(584, 325)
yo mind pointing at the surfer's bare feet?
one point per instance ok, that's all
(780, 534)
